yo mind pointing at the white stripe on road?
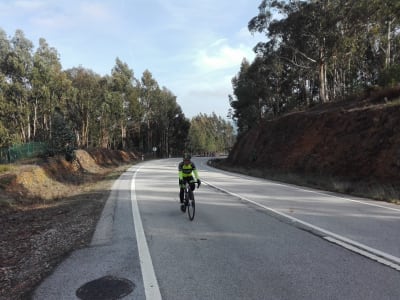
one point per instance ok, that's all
(150, 283)
(377, 255)
(364, 253)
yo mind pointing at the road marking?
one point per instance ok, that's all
(150, 283)
(363, 252)
(377, 255)
(309, 190)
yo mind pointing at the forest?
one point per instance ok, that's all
(77, 108)
(316, 52)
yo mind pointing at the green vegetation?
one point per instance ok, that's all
(77, 108)
(316, 52)
(4, 168)
(210, 134)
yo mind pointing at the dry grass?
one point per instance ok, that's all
(28, 253)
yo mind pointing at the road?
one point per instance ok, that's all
(250, 239)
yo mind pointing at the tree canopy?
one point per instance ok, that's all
(315, 52)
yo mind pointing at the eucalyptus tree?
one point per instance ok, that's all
(102, 122)
(83, 102)
(149, 93)
(125, 88)
(342, 46)
(244, 100)
(49, 88)
(305, 33)
(383, 19)
(5, 48)
(210, 134)
(16, 68)
(380, 32)
(166, 113)
(5, 139)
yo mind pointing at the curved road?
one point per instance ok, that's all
(250, 239)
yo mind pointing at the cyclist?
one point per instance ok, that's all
(186, 169)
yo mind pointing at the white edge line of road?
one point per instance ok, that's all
(310, 190)
(150, 283)
(374, 254)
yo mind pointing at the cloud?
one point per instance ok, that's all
(29, 5)
(49, 16)
(192, 48)
(219, 55)
(95, 11)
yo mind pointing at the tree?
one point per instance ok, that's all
(166, 111)
(79, 108)
(126, 90)
(49, 87)
(149, 92)
(5, 48)
(62, 137)
(83, 102)
(210, 134)
(316, 51)
(16, 67)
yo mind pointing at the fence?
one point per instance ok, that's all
(17, 152)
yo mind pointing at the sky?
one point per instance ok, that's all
(192, 47)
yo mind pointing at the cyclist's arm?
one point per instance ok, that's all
(196, 174)
(180, 173)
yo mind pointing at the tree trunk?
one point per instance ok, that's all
(323, 90)
(388, 54)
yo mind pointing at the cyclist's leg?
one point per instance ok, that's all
(191, 183)
(181, 196)
(192, 187)
(181, 190)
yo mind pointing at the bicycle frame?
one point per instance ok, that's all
(188, 199)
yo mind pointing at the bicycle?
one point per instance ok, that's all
(188, 200)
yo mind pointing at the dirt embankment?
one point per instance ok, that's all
(49, 208)
(357, 141)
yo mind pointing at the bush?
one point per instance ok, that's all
(390, 77)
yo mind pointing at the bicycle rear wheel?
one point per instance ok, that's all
(191, 208)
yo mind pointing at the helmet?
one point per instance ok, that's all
(186, 156)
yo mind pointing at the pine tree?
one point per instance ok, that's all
(62, 137)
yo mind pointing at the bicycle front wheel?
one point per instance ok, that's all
(191, 208)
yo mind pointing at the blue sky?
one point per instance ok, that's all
(193, 48)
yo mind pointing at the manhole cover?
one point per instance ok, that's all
(105, 288)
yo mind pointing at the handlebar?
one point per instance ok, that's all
(198, 183)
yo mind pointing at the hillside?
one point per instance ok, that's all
(351, 146)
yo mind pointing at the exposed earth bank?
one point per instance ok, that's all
(351, 147)
(48, 209)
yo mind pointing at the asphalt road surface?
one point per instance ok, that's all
(250, 239)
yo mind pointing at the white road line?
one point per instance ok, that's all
(150, 283)
(364, 253)
(310, 190)
(377, 255)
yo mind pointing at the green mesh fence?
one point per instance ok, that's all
(17, 152)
